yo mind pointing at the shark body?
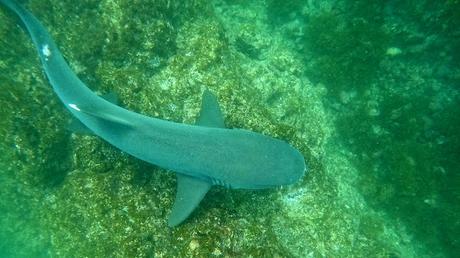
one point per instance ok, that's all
(202, 155)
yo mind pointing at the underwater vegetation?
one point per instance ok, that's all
(282, 11)
(390, 109)
(104, 198)
(379, 129)
(247, 49)
(345, 48)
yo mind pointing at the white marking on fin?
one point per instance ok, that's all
(45, 49)
(74, 106)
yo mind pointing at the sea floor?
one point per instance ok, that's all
(367, 91)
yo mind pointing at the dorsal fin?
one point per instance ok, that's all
(190, 191)
(210, 114)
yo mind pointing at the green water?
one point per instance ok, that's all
(367, 90)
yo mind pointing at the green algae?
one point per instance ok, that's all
(98, 205)
(387, 112)
(346, 49)
(282, 11)
(104, 203)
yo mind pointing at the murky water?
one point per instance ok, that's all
(367, 91)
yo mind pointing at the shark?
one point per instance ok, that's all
(202, 155)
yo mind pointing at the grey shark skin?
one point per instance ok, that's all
(202, 155)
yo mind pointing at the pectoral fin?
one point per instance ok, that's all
(190, 192)
(210, 114)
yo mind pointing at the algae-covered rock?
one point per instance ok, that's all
(312, 78)
(105, 203)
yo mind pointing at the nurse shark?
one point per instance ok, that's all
(201, 155)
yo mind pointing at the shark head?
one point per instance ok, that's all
(251, 160)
